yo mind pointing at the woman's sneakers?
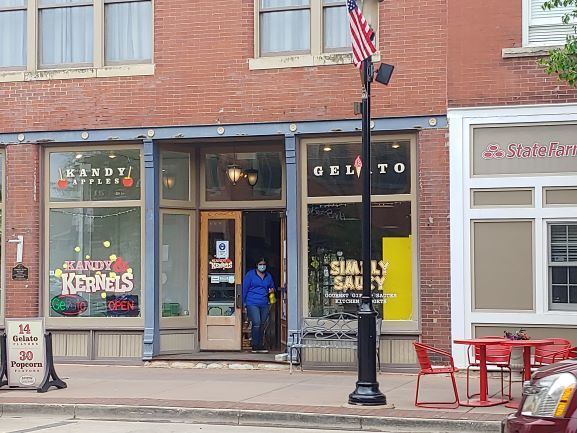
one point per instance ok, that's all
(259, 350)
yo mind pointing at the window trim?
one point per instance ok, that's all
(550, 264)
(3, 236)
(191, 320)
(317, 55)
(167, 203)
(239, 147)
(527, 23)
(396, 326)
(34, 71)
(90, 322)
(15, 9)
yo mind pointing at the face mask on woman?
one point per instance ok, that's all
(261, 268)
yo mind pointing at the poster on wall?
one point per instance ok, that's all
(399, 281)
(222, 249)
(25, 352)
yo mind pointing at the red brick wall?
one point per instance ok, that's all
(201, 54)
(478, 75)
(434, 252)
(22, 218)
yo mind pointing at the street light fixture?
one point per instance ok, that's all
(367, 391)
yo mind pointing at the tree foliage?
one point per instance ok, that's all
(563, 61)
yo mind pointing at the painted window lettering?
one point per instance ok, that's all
(349, 169)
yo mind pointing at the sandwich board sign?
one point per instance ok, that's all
(26, 352)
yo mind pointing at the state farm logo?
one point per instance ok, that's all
(493, 151)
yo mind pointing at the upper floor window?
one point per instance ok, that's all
(544, 27)
(65, 32)
(74, 33)
(285, 26)
(12, 34)
(563, 266)
(306, 26)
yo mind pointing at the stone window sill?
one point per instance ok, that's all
(509, 53)
(305, 60)
(78, 73)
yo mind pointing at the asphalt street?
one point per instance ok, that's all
(67, 425)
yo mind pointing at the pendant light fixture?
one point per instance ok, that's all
(251, 176)
(234, 171)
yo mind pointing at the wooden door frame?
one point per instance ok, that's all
(235, 320)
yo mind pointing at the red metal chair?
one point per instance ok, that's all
(569, 353)
(427, 368)
(551, 353)
(497, 355)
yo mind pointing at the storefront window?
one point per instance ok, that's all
(175, 264)
(335, 264)
(563, 266)
(334, 169)
(95, 262)
(175, 175)
(97, 175)
(243, 176)
(1, 228)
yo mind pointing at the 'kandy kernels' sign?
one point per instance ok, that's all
(524, 149)
(108, 276)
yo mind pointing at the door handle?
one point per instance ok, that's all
(238, 295)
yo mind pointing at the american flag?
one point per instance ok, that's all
(361, 34)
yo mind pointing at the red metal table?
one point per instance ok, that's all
(483, 400)
(526, 345)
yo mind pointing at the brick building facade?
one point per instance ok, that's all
(206, 86)
(512, 210)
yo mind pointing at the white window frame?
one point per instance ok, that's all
(13, 9)
(550, 264)
(97, 68)
(529, 22)
(317, 55)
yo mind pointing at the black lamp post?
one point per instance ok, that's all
(367, 391)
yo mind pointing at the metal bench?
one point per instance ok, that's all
(337, 331)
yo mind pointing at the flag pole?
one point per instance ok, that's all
(367, 391)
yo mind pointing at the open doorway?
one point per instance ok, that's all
(261, 237)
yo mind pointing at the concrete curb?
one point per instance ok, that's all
(247, 418)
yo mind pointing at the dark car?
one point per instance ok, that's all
(549, 404)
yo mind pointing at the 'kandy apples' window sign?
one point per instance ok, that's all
(95, 175)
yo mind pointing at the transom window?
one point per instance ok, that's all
(563, 266)
(74, 33)
(306, 26)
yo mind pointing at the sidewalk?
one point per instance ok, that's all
(248, 397)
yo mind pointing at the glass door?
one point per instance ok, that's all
(220, 281)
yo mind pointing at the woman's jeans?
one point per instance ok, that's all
(257, 314)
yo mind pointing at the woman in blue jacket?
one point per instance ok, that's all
(256, 286)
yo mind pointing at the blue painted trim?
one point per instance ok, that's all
(292, 234)
(229, 131)
(151, 341)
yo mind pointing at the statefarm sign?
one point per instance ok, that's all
(520, 151)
